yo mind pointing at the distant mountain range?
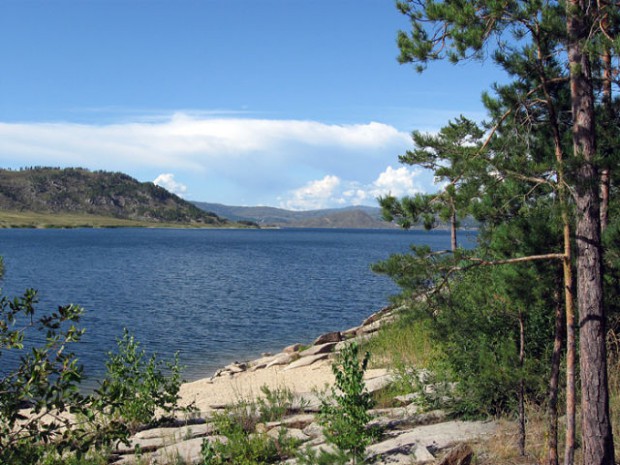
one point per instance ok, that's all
(57, 193)
(349, 217)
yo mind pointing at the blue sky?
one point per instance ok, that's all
(298, 104)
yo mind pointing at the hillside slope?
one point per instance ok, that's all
(350, 217)
(80, 191)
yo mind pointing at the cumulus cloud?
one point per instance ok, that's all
(398, 182)
(167, 181)
(331, 191)
(314, 195)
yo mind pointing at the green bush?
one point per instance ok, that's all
(243, 444)
(45, 381)
(44, 418)
(275, 404)
(344, 414)
(136, 387)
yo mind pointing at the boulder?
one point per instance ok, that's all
(357, 340)
(318, 349)
(435, 437)
(281, 359)
(292, 348)
(291, 433)
(459, 455)
(299, 421)
(305, 361)
(377, 315)
(334, 336)
(379, 382)
(184, 432)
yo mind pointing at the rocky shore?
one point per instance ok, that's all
(410, 436)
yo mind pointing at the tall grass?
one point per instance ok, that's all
(403, 343)
(503, 447)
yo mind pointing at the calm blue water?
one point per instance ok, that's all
(213, 295)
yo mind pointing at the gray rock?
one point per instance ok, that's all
(281, 359)
(436, 437)
(378, 315)
(318, 349)
(308, 402)
(184, 432)
(313, 430)
(374, 326)
(262, 362)
(459, 455)
(258, 366)
(380, 382)
(349, 333)
(235, 367)
(187, 450)
(357, 340)
(407, 398)
(334, 336)
(299, 421)
(293, 433)
(292, 348)
(305, 361)
(155, 438)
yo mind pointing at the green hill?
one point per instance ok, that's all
(83, 194)
(349, 217)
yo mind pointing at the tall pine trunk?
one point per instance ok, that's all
(521, 384)
(598, 448)
(554, 383)
(607, 112)
(453, 224)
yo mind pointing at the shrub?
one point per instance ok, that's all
(136, 386)
(344, 414)
(243, 444)
(44, 418)
(45, 381)
(275, 404)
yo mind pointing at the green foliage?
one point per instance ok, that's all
(44, 418)
(135, 386)
(275, 404)
(45, 381)
(309, 456)
(344, 414)
(243, 444)
(454, 156)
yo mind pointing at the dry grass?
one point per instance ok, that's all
(407, 344)
(504, 448)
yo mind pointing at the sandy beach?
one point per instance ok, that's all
(209, 394)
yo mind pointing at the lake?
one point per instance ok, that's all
(214, 296)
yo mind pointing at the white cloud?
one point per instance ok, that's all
(314, 195)
(398, 182)
(331, 191)
(229, 160)
(167, 181)
(189, 142)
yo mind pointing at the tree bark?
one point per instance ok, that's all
(598, 448)
(521, 385)
(453, 223)
(607, 111)
(554, 382)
